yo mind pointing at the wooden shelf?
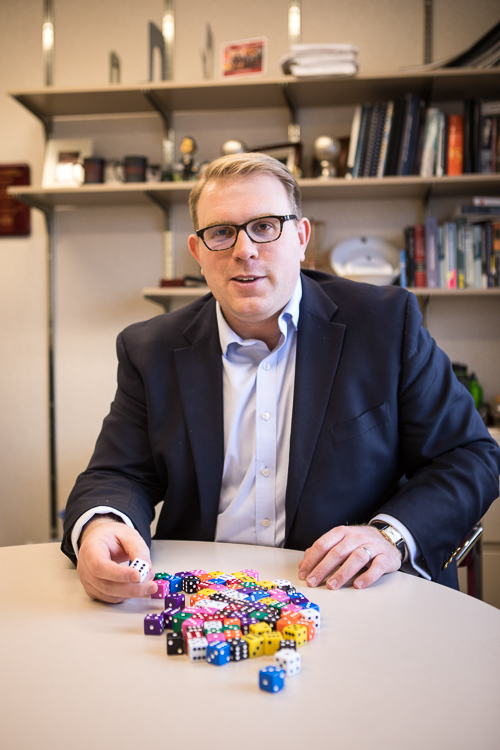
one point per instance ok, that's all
(321, 91)
(167, 193)
(163, 295)
(469, 292)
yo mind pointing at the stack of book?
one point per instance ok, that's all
(405, 137)
(321, 60)
(456, 254)
(483, 53)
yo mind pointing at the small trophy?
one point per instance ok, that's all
(327, 152)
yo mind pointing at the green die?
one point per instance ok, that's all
(179, 619)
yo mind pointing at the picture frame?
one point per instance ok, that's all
(289, 154)
(246, 57)
(61, 156)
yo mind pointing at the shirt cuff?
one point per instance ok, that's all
(100, 510)
(415, 560)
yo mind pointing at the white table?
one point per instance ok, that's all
(405, 664)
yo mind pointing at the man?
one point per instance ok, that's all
(289, 408)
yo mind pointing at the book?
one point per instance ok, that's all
(361, 138)
(469, 256)
(353, 142)
(460, 240)
(385, 139)
(441, 258)
(483, 53)
(420, 270)
(378, 140)
(480, 200)
(441, 148)
(485, 211)
(402, 269)
(364, 142)
(410, 255)
(428, 161)
(431, 249)
(367, 157)
(450, 253)
(417, 140)
(455, 150)
(478, 268)
(395, 138)
(486, 139)
(408, 124)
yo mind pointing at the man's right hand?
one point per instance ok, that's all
(104, 544)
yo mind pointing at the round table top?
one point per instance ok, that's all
(403, 664)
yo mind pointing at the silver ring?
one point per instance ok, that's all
(367, 550)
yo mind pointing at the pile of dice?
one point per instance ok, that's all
(234, 616)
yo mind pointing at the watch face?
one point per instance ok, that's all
(393, 535)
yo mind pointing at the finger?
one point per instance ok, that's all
(321, 547)
(332, 561)
(379, 566)
(111, 544)
(111, 591)
(358, 559)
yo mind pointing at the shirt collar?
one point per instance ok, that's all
(290, 313)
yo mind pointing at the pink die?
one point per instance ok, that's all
(292, 608)
(251, 573)
(192, 622)
(162, 591)
(215, 637)
(279, 595)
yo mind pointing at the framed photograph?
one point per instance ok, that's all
(287, 153)
(62, 166)
(247, 57)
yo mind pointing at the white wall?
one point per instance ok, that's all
(105, 256)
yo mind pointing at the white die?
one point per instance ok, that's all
(279, 582)
(312, 614)
(289, 660)
(142, 567)
(197, 649)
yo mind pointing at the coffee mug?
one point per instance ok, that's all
(131, 169)
(93, 170)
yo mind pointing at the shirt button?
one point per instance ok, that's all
(266, 522)
(266, 416)
(266, 366)
(265, 472)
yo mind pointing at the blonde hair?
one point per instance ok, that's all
(234, 166)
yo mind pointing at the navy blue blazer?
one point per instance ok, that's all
(380, 423)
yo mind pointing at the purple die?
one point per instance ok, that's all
(162, 590)
(153, 624)
(168, 616)
(175, 600)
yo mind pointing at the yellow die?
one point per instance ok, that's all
(267, 585)
(243, 577)
(272, 642)
(298, 633)
(269, 600)
(255, 645)
(260, 628)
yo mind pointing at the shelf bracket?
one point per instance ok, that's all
(294, 127)
(168, 131)
(46, 120)
(168, 250)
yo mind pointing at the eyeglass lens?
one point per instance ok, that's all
(223, 236)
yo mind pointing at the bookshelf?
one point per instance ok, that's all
(285, 91)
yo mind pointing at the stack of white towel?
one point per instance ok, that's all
(321, 60)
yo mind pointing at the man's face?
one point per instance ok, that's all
(252, 282)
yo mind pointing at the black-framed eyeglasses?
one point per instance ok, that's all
(261, 230)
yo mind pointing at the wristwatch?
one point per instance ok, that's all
(392, 535)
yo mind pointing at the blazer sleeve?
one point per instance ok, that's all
(122, 472)
(451, 462)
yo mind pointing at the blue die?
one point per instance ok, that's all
(272, 679)
(175, 584)
(219, 653)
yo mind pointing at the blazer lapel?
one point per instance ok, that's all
(319, 343)
(199, 371)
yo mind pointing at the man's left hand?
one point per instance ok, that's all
(341, 553)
